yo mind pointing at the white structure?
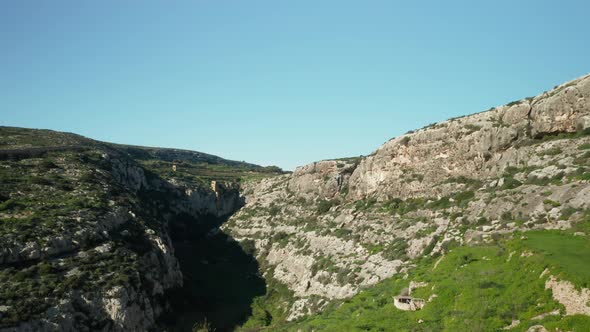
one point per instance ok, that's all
(408, 303)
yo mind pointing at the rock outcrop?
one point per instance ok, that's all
(477, 146)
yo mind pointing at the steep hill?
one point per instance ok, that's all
(336, 227)
(85, 229)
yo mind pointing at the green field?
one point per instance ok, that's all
(564, 253)
(479, 288)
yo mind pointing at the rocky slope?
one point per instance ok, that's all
(335, 227)
(84, 234)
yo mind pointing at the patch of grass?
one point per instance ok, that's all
(323, 264)
(564, 253)
(583, 159)
(554, 136)
(551, 203)
(401, 207)
(550, 152)
(556, 179)
(472, 183)
(396, 250)
(584, 176)
(460, 199)
(472, 128)
(567, 212)
(364, 204)
(281, 238)
(342, 233)
(477, 288)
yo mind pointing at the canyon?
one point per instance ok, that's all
(101, 236)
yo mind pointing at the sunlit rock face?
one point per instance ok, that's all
(336, 226)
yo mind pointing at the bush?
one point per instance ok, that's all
(274, 210)
(325, 205)
(365, 204)
(47, 164)
(9, 205)
(281, 238)
(510, 183)
(482, 221)
(472, 128)
(551, 152)
(552, 203)
(40, 180)
(249, 247)
(584, 176)
(567, 213)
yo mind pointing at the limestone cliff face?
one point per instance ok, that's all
(323, 179)
(477, 146)
(113, 261)
(335, 226)
(221, 200)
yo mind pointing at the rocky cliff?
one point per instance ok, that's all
(335, 227)
(85, 241)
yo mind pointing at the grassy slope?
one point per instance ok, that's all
(478, 289)
(194, 168)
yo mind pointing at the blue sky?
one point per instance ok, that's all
(277, 82)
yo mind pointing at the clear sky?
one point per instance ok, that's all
(277, 82)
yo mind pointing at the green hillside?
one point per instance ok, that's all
(479, 288)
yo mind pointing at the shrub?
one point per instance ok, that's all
(506, 216)
(512, 103)
(342, 233)
(552, 203)
(583, 176)
(325, 205)
(472, 128)
(510, 183)
(274, 210)
(9, 205)
(47, 164)
(482, 221)
(40, 180)
(473, 183)
(281, 238)
(567, 213)
(248, 246)
(365, 204)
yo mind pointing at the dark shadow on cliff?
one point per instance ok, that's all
(220, 279)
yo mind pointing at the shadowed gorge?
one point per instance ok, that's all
(220, 278)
